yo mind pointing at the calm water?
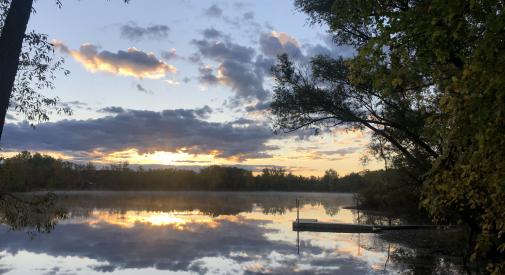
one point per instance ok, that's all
(212, 233)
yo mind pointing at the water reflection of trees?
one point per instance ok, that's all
(440, 251)
(209, 203)
(35, 213)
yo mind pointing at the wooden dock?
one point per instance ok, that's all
(315, 226)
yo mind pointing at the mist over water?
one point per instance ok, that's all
(206, 232)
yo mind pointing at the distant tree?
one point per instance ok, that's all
(330, 176)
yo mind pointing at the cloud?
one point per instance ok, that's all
(259, 106)
(222, 51)
(207, 75)
(329, 48)
(236, 69)
(244, 81)
(145, 131)
(213, 11)
(243, 121)
(248, 15)
(112, 110)
(132, 62)
(172, 81)
(141, 88)
(11, 117)
(275, 43)
(170, 54)
(75, 104)
(342, 151)
(203, 112)
(211, 33)
(196, 58)
(135, 33)
(312, 153)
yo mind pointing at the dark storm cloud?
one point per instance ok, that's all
(135, 33)
(146, 131)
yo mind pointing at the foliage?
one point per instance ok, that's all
(330, 176)
(37, 70)
(35, 172)
(468, 181)
(427, 80)
(387, 190)
(34, 214)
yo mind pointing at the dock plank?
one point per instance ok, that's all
(314, 226)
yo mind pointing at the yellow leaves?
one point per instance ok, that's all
(396, 82)
(467, 72)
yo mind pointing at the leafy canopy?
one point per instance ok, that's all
(427, 80)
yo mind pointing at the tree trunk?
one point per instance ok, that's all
(11, 42)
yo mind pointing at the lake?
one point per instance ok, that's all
(218, 233)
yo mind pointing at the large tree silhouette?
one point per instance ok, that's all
(11, 42)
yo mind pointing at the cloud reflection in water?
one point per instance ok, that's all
(220, 233)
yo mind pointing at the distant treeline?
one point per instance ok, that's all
(31, 172)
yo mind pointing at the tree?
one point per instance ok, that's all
(28, 65)
(330, 176)
(468, 181)
(36, 70)
(427, 81)
(36, 215)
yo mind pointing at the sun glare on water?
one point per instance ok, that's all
(178, 220)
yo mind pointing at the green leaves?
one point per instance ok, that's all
(37, 70)
(35, 214)
(428, 80)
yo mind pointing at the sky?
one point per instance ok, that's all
(180, 83)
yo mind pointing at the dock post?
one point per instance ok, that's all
(298, 242)
(297, 210)
(298, 223)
